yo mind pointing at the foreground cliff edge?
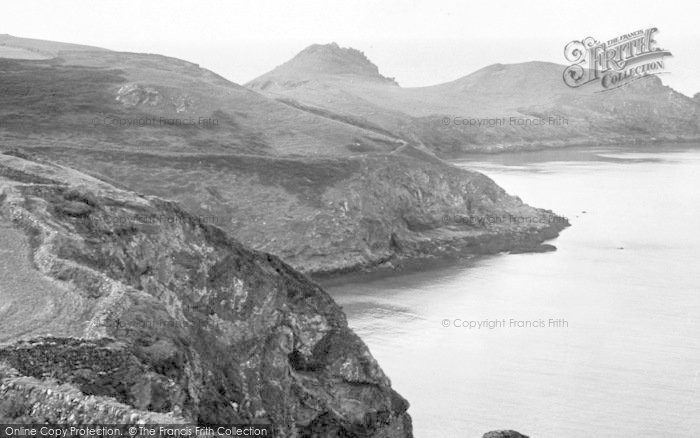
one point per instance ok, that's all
(153, 316)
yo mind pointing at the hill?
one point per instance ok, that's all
(129, 101)
(27, 48)
(318, 61)
(326, 193)
(520, 106)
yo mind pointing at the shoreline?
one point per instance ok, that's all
(431, 255)
(494, 149)
(399, 264)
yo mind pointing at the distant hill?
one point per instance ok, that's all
(83, 98)
(435, 116)
(27, 48)
(319, 61)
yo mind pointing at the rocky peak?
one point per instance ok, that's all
(333, 59)
(323, 60)
(504, 434)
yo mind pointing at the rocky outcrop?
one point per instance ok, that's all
(327, 216)
(132, 95)
(321, 60)
(31, 400)
(178, 319)
(504, 434)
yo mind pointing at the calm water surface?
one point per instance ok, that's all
(625, 277)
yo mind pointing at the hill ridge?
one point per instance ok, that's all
(321, 61)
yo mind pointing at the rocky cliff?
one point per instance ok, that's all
(170, 319)
(504, 434)
(334, 215)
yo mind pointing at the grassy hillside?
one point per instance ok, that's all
(125, 101)
(27, 48)
(514, 94)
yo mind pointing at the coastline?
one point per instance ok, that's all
(435, 254)
(173, 309)
(501, 149)
(604, 280)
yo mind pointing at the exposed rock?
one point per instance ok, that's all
(182, 320)
(320, 60)
(102, 367)
(134, 94)
(504, 434)
(181, 103)
(32, 400)
(326, 216)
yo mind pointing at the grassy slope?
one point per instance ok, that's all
(643, 111)
(65, 101)
(43, 48)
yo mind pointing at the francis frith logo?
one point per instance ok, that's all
(616, 62)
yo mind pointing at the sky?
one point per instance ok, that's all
(418, 42)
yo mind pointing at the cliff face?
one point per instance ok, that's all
(504, 434)
(175, 318)
(333, 215)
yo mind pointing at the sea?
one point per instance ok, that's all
(600, 338)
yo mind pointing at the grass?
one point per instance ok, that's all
(62, 101)
(66, 101)
(301, 177)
